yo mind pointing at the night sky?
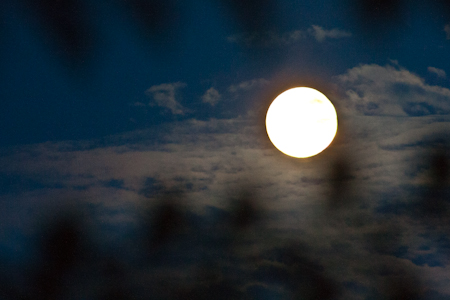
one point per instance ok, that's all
(133, 145)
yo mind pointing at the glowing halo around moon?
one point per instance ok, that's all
(301, 122)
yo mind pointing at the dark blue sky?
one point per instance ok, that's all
(53, 92)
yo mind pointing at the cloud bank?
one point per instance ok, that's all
(210, 160)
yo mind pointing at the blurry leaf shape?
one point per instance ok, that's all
(340, 177)
(167, 219)
(68, 27)
(253, 15)
(158, 19)
(63, 248)
(244, 212)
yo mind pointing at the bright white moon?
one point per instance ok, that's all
(301, 122)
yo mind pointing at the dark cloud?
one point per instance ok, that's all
(430, 259)
(151, 187)
(258, 291)
(419, 109)
(114, 183)
(20, 183)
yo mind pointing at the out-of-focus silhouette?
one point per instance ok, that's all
(68, 28)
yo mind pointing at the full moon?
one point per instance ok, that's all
(301, 122)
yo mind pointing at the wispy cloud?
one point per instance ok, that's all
(165, 95)
(272, 38)
(392, 90)
(248, 85)
(320, 34)
(438, 72)
(447, 31)
(211, 96)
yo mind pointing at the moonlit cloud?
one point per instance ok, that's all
(447, 31)
(439, 72)
(392, 90)
(207, 160)
(248, 85)
(422, 132)
(320, 34)
(165, 95)
(211, 96)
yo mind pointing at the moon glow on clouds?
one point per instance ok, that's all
(301, 122)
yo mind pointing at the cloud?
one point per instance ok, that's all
(438, 72)
(165, 96)
(321, 34)
(447, 31)
(211, 96)
(207, 160)
(425, 132)
(248, 85)
(392, 90)
(272, 38)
